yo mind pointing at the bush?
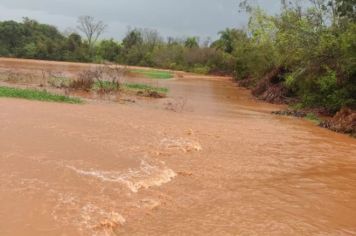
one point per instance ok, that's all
(85, 81)
(200, 69)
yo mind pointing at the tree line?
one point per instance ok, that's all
(306, 54)
(140, 47)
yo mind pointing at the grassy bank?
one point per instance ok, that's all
(153, 74)
(31, 94)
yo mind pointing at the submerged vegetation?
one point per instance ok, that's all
(32, 94)
(109, 78)
(304, 55)
(109, 86)
(144, 87)
(153, 74)
(313, 118)
(104, 81)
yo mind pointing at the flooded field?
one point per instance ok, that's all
(217, 164)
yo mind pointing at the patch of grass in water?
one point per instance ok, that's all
(107, 85)
(153, 74)
(32, 94)
(143, 87)
(313, 118)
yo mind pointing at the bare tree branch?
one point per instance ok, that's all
(91, 28)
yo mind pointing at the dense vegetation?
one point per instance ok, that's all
(30, 39)
(305, 55)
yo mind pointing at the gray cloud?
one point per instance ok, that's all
(202, 18)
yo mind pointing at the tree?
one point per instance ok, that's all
(109, 50)
(74, 41)
(228, 39)
(133, 38)
(191, 42)
(12, 37)
(151, 38)
(91, 28)
(346, 8)
(132, 47)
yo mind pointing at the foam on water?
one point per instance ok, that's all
(110, 220)
(145, 176)
(185, 145)
(88, 217)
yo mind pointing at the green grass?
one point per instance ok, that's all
(153, 74)
(296, 106)
(129, 86)
(313, 118)
(143, 87)
(107, 85)
(31, 94)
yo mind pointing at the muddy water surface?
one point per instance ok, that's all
(221, 165)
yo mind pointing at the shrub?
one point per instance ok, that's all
(85, 81)
(200, 69)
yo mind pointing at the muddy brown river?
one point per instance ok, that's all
(220, 165)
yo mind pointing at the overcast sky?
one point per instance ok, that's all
(177, 18)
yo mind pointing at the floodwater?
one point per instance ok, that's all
(220, 165)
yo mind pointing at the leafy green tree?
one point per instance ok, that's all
(228, 38)
(132, 39)
(131, 48)
(75, 49)
(30, 50)
(12, 37)
(345, 8)
(109, 50)
(74, 41)
(191, 42)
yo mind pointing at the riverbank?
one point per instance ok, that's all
(273, 90)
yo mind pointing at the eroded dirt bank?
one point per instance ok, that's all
(221, 166)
